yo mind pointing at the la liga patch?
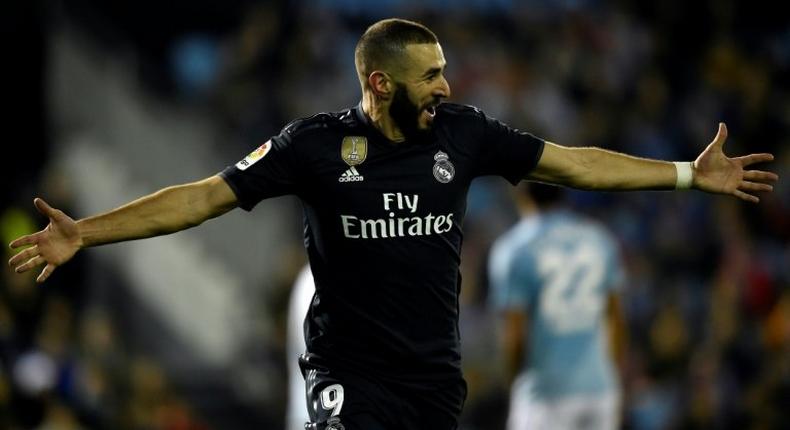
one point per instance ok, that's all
(254, 156)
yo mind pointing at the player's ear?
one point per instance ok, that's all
(381, 84)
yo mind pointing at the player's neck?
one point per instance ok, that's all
(379, 116)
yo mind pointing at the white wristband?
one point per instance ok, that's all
(685, 174)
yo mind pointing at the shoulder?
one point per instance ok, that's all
(453, 112)
(464, 124)
(517, 241)
(318, 125)
(467, 120)
(459, 109)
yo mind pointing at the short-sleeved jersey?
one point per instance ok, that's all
(383, 229)
(560, 268)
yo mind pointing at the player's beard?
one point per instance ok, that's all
(406, 115)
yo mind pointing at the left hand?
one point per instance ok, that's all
(52, 246)
(714, 172)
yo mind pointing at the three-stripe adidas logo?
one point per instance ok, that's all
(351, 175)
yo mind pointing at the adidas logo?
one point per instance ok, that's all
(351, 175)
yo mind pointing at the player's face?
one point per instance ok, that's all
(422, 88)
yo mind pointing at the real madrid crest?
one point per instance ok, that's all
(354, 150)
(443, 170)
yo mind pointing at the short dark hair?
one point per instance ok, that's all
(383, 44)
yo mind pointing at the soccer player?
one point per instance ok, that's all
(553, 279)
(384, 185)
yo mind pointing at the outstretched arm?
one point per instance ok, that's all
(599, 169)
(167, 211)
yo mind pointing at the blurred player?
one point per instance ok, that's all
(383, 185)
(301, 294)
(553, 279)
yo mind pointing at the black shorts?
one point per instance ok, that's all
(346, 400)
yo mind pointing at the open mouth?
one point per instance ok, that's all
(431, 111)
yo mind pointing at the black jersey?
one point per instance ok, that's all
(383, 229)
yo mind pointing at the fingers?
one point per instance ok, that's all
(24, 255)
(29, 239)
(760, 176)
(755, 186)
(33, 262)
(44, 208)
(750, 159)
(746, 197)
(721, 135)
(48, 269)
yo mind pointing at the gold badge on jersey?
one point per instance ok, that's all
(354, 150)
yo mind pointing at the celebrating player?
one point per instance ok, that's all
(384, 185)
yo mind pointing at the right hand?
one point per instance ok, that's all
(54, 245)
